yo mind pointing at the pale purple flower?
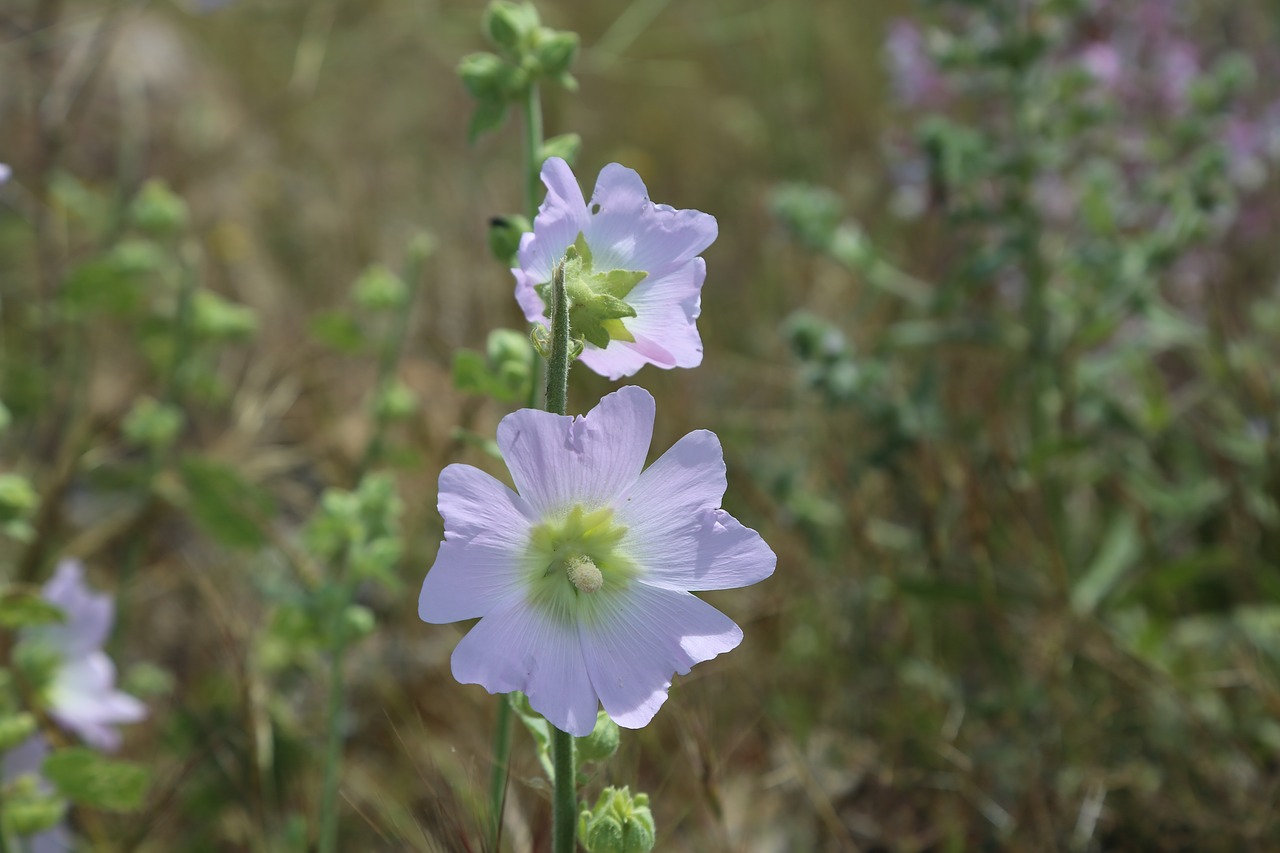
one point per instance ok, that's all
(27, 759)
(582, 580)
(5, 173)
(83, 697)
(624, 231)
(913, 75)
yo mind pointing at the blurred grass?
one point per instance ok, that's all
(905, 683)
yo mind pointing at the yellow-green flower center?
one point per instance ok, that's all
(575, 556)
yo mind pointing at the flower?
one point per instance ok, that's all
(5, 172)
(582, 580)
(82, 696)
(27, 759)
(639, 294)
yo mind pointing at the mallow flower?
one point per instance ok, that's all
(633, 275)
(27, 759)
(583, 577)
(82, 696)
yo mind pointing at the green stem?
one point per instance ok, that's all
(502, 728)
(532, 150)
(387, 361)
(558, 366)
(564, 805)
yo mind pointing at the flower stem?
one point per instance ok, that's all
(564, 804)
(558, 365)
(389, 358)
(532, 150)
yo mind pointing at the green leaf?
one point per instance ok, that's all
(230, 509)
(488, 116)
(85, 777)
(337, 329)
(1117, 555)
(22, 607)
(564, 146)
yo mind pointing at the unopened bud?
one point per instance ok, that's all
(619, 823)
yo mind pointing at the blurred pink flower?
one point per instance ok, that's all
(82, 697)
(582, 580)
(624, 231)
(913, 75)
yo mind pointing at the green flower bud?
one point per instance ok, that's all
(619, 823)
(504, 237)
(396, 402)
(158, 211)
(510, 25)
(379, 289)
(603, 741)
(357, 621)
(31, 817)
(555, 51)
(152, 424)
(564, 146)
(219, 319)
(136, 257)
(484, 75)
(14, 729)
(17, 498)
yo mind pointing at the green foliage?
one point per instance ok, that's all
(231, 509)
(504, 371)
(619, 823)
(87, 778)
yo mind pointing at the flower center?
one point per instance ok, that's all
(576, 555)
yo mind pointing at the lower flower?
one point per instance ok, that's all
(583, 578)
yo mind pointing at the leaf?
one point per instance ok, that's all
(230, 509)
(488, 116)
(337, 329)
(21, 607)
(1116, 556)
(85, 777)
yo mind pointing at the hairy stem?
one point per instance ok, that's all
(564, 803)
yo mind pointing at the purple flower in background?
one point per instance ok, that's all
(643, 259)
(582, 580)
(83, 697)
(27, 759)
(913, 75)
(5, 173)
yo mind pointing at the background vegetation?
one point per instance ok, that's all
(991, 331)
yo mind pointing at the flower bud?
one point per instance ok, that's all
(17, 498)
(504, 237)
(485, 76)
(158, 211)
(555, 51)
(152, 424)
(603, 741)
(379, 289)
(216, 318)
(396, 402)
(619, 823)
(357, 621)
(31, 817)
(15, 728)
(510, 25)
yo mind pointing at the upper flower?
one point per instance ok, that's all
(635, 291)
(583, 578)
(82, 696)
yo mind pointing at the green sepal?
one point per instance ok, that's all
(596, 299)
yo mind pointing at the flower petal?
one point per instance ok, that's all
(678, 535)
(89, 615)
(558, 461)
(560, 220)
(518, 647)
(83, 698)
(634, 642)
(626, 231)
(527, 297)
(486, 529)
